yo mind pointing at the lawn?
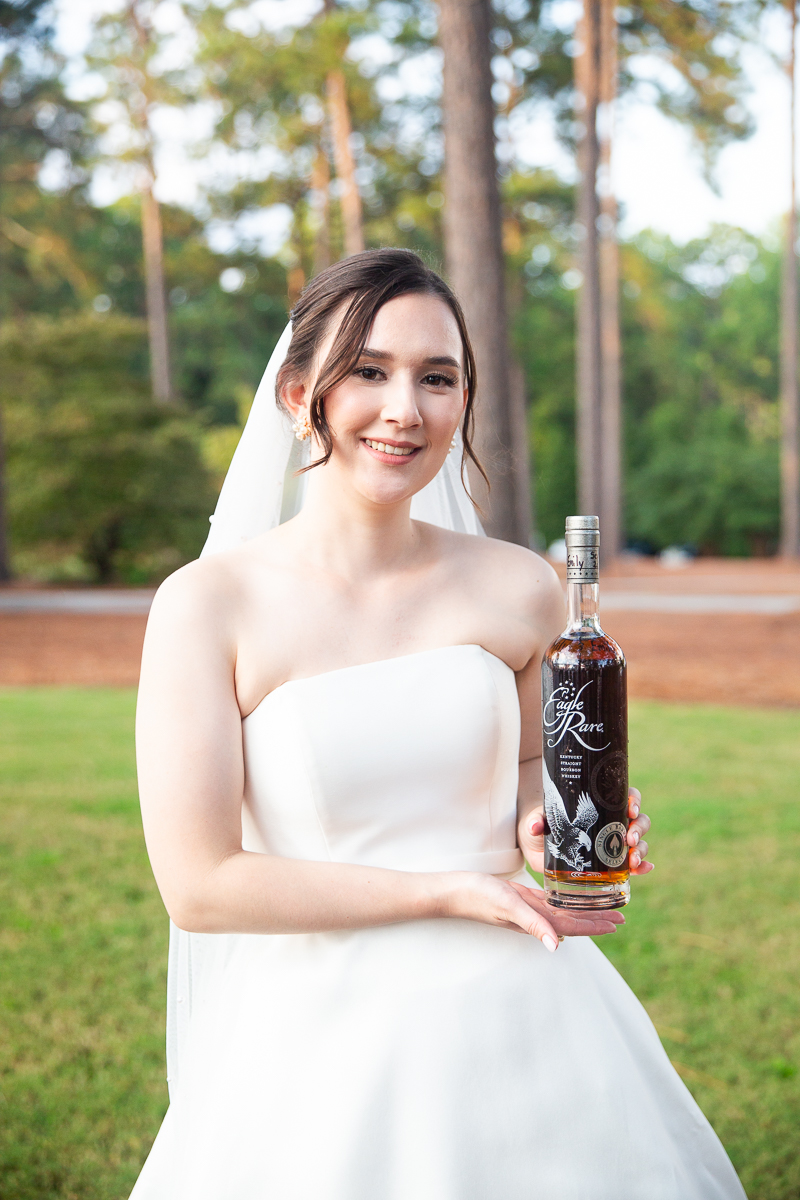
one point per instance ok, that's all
(712, 944)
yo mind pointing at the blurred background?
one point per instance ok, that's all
(611, 191)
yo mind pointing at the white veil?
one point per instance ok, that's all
(261, 490)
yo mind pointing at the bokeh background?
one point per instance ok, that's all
(171, 173)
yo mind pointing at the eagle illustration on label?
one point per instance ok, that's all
(568, 840)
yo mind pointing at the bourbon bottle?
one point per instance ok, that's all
(585, 735)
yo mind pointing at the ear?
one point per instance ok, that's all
(294, 397)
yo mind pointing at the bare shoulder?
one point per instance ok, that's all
(206, 595)
(525, 578)
(196, 587)
(517, 593)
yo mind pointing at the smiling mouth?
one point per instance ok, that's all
(393, 451)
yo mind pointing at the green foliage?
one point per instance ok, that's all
(694, 48)
(93, 464)
(540, 245)
(700, 363)
(706, 482)
(39, 127)
(700, 351)
(269, 88)
(700, 376)
(710, 946)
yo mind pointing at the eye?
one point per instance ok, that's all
(438, 379)
(370, 374)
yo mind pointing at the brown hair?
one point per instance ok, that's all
(368, 281)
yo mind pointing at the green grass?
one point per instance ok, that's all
(712, 944)
(83, 940)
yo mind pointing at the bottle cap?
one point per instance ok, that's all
(583, 549)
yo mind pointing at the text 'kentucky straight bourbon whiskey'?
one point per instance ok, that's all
(585, 733)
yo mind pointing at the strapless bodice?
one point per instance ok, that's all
(409, 763)
(439, 1059)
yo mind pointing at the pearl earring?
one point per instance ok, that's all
(454, 444)
(302, 427)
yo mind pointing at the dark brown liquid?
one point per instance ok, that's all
(608, 876)
(585, 721)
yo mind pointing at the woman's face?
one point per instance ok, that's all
(393, 419)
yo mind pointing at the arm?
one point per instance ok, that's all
(547, 617)
(191, 778)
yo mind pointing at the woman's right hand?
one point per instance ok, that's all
(492, 901)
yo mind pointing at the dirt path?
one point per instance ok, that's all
(723, 658)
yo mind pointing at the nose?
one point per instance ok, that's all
(400, 403)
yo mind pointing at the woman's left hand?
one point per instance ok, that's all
(640, 823)
(531, 836)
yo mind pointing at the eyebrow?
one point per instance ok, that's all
(439, 360)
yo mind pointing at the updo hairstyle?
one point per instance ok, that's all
(367, 281)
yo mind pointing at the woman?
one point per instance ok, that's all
(339, 737)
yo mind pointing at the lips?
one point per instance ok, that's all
(390, 452)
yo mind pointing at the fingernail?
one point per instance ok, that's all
(635, 860)
(636, 810)
(637, 837)
(550, 943)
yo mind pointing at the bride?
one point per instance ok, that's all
(339, 741)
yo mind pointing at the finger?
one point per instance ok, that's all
(592, 927)
(531, 921)
(582, 924)
(530, 918)
(638, 827)
(588, 923)
(560, 917)
(536, 823)
(638, 856)
(581, 921)
(634, 802)
(643, 869)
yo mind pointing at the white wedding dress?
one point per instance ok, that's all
(428, 1060)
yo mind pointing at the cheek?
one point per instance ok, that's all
(442, 416)
(348, 408)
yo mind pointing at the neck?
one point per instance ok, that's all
(346, 533)
(582, 601)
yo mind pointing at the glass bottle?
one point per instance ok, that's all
(585, 736)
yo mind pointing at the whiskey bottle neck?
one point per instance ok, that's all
(582, 602)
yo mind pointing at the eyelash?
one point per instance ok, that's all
(445, 380)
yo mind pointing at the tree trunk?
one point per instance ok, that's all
(349, 197)
(588, 349)
(474, 253)
(321, 183)
(610, 349)
(5, 562)
(153, 243)
(790, 467)
(341, 129)
(520, 440)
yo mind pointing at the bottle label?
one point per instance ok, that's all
(583, 565)
(585, 767)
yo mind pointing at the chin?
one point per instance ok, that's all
(378, 493)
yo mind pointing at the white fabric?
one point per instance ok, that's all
(429, 1060)
(261, 490)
